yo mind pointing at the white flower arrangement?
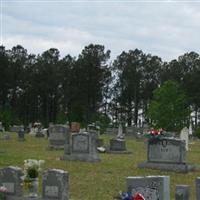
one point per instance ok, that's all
(32, 168)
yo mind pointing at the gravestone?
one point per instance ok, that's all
(75, 127)
(182, 192)
(82, 147)
(58, 136)
(198, 188)
(120, 134)
(39, 133)
(6, 136)
(118, 144)
(151, 187)
(167, 154)
(10, 177)
(145, 128)
(55, 185)
(185, 136)
(1, 127)
(21, 134)
(16, 128)
(190, 130)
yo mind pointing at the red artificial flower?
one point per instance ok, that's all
(154, 132)
(138, 196)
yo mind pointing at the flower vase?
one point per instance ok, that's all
(33, 187)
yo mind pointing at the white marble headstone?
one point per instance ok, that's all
(120, 131)
(185, 136)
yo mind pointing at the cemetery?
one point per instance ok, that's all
(78, 172)
(99, 100)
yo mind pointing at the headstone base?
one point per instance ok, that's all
(182, 167)
(50, 147)
(39, 135)
(81, 157)
(117, 145)
(23, 198)
(118, 152)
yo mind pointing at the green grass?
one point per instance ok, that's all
(95, 181)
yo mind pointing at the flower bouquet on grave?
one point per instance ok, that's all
(3, 191)
(130, 196)
(31, 171)
(154, 135)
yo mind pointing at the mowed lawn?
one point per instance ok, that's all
(95, 181)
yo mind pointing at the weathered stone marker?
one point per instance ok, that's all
(198, 188)
(16, 128)
(184, 135)
(58, 136)
(82, 147)
(10, 177)
(21, 134)
(151, 187)
(182, 192)
(117, 145)
(55, 185)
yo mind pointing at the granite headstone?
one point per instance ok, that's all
(58, 136)
(167, 154)
(82, 147)
(21, 134)
(182, 192)
(10, 177)
(55, 185)
(198, 188)
(151, 187)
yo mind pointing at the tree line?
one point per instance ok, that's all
(90, 87)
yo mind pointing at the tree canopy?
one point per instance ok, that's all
(168, 108)
(90, 87)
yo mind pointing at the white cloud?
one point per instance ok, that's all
(164, 29)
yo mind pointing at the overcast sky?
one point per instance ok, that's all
(164, 28)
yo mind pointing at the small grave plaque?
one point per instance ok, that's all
(117, 145)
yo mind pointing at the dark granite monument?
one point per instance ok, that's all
(167, 154)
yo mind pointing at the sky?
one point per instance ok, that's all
(164, 28)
